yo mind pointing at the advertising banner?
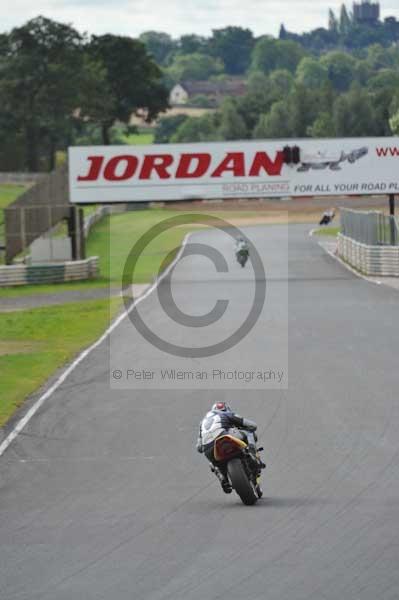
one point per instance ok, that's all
(247, 169)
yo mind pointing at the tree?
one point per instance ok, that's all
(203, 101)
(354, 114)
(160, 45)
(133, 80)
(344, 21)
(270, 54)
(394, 123)
(40, 83)
(280, 84)
(275, 124)
(167, 127)
(340, 68)
(385, 81)
(232, 125)
(283, 32)
(332, 21)
(323, 126)
(311, 73)
(197, 129)
(233, 46)
(192, 43)
(378, 58)
(303, 105)
(196, 66)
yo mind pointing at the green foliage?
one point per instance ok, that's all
(195, 66)
(232, 125)
(354, 114)
(323, 126)
(197, 129)
(394, 123)
(280, 84)
(340, 67)
(133, 80)
(378, 58)
(39, 84)
(270, 54)
(160, 45)
(203, 101)
(190, 44)
(275, 124)
(58, 87)
(167, 127)
(233, 46)
(332, 21)
(344, 21)
(311, 73)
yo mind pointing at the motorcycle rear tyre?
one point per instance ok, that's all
(240, 482)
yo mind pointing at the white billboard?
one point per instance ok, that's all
(247, 169)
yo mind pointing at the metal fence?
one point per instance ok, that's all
(371, 228)
(36, 211)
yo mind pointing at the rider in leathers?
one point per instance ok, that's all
(217, 422)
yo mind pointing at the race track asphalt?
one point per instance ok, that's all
(104, 497)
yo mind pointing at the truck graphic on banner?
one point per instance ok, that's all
(320, 161)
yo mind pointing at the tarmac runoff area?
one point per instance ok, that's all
(103, 495)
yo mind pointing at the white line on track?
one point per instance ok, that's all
(33, 410)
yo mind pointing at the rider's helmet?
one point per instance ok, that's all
(221, 406)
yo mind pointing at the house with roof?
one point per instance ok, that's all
(182, 93)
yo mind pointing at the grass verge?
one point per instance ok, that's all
(112, 239)
(35, 343)
(328, 231)
(8, 193)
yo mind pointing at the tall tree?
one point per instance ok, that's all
(195, 66)
(270, 54)
(197, 129)
(160, 45)
(323, 126)
(40, 83)
(134, 80)
(311, 73)
(275, 124)
(233, 45)
(167, 127)
(354, 114)
(192, 43)
(283, 32)
(332, 21)
(344, 21)
(340, 67)
(232, 125)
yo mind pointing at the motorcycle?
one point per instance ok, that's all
(242, 257)
(325, 220)
(327, 217)
(232, 452)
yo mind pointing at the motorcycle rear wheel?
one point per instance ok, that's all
(240, 482)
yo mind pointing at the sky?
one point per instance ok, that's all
(179, 17)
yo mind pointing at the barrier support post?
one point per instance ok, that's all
(392, 220)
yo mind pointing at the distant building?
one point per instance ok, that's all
(185, 91)
(366, 13)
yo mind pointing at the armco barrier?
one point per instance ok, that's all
(51, 273)
(378, 261)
